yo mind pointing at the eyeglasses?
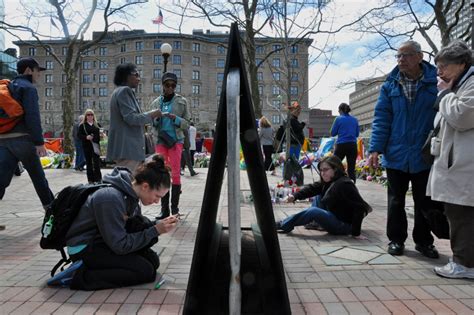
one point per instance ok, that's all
(400, 56)
(135, 74)
(170, 85)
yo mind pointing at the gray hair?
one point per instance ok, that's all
(457, 52)
(413, 44)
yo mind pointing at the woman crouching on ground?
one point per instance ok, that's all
(337, 207)
(107, 250)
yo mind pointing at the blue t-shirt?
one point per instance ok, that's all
(346, 128)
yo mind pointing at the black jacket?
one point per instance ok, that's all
(342, 198)
(296, 127)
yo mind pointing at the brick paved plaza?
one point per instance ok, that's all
(325, 274)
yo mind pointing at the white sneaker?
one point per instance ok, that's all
(454, 271)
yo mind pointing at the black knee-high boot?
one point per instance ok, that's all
(165, 206)
(175, 192)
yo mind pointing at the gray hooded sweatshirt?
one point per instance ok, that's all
(102, 217)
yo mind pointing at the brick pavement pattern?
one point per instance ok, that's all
(325, 274)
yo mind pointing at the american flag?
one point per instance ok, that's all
(159, 19)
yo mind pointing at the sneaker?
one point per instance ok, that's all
(427, 250)
(453, 270)
(395, 248)
(64, 278)
(280, 229)
(313, 225)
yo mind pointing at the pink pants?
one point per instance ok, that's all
(172, 159)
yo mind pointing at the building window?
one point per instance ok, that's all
(31, 51)
(157, 44)
(259, 76)
(276, 119)
(294, 77)
(178, 88)
(276, 47)
(196, 47)
(276, 103)
(196, 75)
(48, 78)
(259, 49)
(138, 60)
(103, 78)
(260, 90)
(220, 77)
(102, 51)
(64, 78)
(86, 78)
(275, 90)
(156, 73)
(64, 51)
(294, 49)
(48, 92)
(49, 65)
(139, 45)
(220, 50)
(196, 89)
(86, 65)
(86, 92)
(177, 45)
(294, 63)
(258, 61)
(48, 105)
(176, 59)
(219, 90)
(123, 48)
(177, 72)
(276, 62)
(103, 91)
(49, 51)
(123, 60)
(157, 59)
(195, 102)
(196, 61)
(156, 88)
(103, 65)
(220, 63)
(276, 76)
(293, 90)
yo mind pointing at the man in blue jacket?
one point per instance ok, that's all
(25, 141)
(403, 117)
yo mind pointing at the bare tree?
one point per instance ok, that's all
(73, 20)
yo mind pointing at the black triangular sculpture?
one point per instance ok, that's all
(263, 282)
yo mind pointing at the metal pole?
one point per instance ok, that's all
(165, 61)
(472, 26)
(233, 170)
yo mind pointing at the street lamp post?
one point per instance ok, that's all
(165, 52)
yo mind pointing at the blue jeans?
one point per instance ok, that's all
(295, 150)
(22, 149)
(80, 159)
(323, 217)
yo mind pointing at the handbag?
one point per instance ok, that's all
(437, 220)
(166, 139)
(426, 155)
(292, 170)
(96, 148)
(149, 144)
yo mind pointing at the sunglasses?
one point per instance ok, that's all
(90, 115)
(135, 74)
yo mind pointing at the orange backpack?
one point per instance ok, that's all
(10, 110)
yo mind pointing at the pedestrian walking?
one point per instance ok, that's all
(346, 128)
(24, 142)
(451, 176)
(403, 117)
(192, 141)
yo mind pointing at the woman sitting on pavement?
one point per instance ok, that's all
(106, 254)
(337, 207)
(450, 178)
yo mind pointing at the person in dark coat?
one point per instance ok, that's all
(89, 133)
(337, 207)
